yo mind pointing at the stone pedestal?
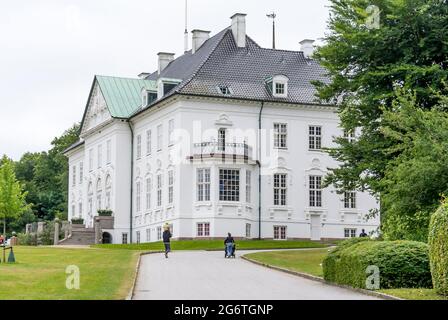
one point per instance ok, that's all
(40, 227)
(56, 232)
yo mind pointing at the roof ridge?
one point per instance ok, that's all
(193, 75)
(119, 77)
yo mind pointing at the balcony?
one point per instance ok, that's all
(224, 151)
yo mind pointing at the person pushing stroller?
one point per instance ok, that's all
(230, 247)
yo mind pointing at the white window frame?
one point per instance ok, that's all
(232, 192)
(138, 196)
(108, 151)
(80, 209)
(74, 176)
(203, 184)
(248, 186)
(139, 146)
(170, 133)
(159, 137)
(148, 193)
(91, 160)
(100, 156)
(280, 233)
(350, 233)
(159, 233)
(280, 135)
(148, 142)
(170, 186)
(280, 189)
(315, 191)
(350, 199)
(124, 238)
(222, 137)
(148, 235)
(81, 172)
(159, 190)
(248, 230)
(282, 81)
(315, 138)
(350, 136)
(137, 236)
(203, 229)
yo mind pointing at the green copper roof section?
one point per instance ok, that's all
(123, 95)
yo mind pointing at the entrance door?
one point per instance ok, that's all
(107, 238)
(316, 227)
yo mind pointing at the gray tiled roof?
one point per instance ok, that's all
(245, 70)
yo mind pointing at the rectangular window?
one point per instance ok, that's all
(171, 132)
(138, 237)
(81, 172)
(279, 232)
(80, 209)
(148, 235)
(159, 190)
(350, 233)
(350, 200)
(280, 135)
(108, 151)
(279, 88)
(148, 194)
(203, 229)
(99, 205)
(100, 156)
(90, 159)
(203, 185)
(248, 186)
(170, 187)
(73, 210)
(315, 188)
(159, 138)
(248, 227)
(108, 200)
(229, 185)
(280, 189)
(74, 176)
(148, 142)
(315, 137)
(349, 135)
(124, 238)
(222, 140)
(159, 233)
(139, 146)
(138, 197)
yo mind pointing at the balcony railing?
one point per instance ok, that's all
(221, 150)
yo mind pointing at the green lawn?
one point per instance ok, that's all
(306, 261)
(309, 261)
(217, 245)
(39, 274)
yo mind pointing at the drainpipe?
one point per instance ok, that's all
(259, 170)
(132, 181)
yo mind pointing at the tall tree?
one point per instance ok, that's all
(12, 197)
(367, 64)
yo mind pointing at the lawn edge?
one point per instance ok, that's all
(322, 280)
(131, 293)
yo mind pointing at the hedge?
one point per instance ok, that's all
(438, 249)
(402, 264)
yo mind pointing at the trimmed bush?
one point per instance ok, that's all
(105, 213)
(78, 221)
(438, 249)
(402, 264)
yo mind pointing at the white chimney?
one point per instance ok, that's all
(239, 29)
(307, 48)
(199, 38)
(164, 60)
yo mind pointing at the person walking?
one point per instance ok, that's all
(363, 234)
(167, 240)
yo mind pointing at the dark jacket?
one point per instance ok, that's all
(229, 240)
(166, 236)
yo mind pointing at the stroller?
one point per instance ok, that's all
(229, 250)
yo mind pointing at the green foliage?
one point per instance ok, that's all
(46, 238)
(44, 176)
(402, 264)
(77, 221)
(105, 213)
(438, 249)
(27, 239)
(12, 198)
(367, 67)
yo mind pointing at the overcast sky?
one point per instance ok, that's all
(51, 49)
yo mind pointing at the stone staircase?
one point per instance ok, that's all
(80, 235)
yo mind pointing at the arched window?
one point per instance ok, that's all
(99, 190)
(108, 192)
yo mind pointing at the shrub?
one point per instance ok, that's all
(47, 236)
(438, 249)
(78, 221)
(402, 264)
(27, 239)
(105, 213)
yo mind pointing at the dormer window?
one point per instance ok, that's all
(279, 87)
(225, 90)
(166, 86)
(148, 97)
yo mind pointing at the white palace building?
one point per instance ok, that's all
(226, 138)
